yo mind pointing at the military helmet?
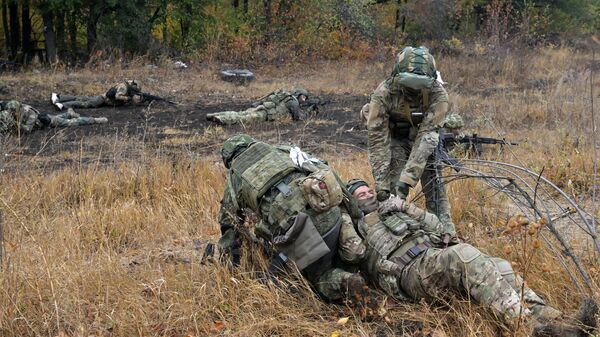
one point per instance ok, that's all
(300, 92)
(353, 184)
(13, 105)
(233, 145)
(454, 121)
(134, 85)
(416, 61)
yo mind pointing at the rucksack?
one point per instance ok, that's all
(414, 69)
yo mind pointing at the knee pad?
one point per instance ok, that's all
(465, 252)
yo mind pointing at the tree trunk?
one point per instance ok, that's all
(26, 30)
(236, 4)
(15, 31)
(245, 7)
(72, 26)
(60, 33)
(48, 19)
(165, 30)
(92, 34)
(268, 15)
(5, 26)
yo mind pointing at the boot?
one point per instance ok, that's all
(55, 98)
(583, 324)
(101, 120)
(353, 284)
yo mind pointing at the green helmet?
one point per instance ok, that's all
(353, 184)
(233, 145)
(300, 92)
(454, 121)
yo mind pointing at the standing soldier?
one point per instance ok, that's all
(275, 106)
(404, 115)
(406, 258)
(297, 200)
(123, 93)
(17, 116)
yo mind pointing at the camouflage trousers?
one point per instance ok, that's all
(436, 199)
(463, 269)
(249, 116)
(67, 119)
(69, 101)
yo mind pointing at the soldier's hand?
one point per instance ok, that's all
(383, 195)
(137, 99)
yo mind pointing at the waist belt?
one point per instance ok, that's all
(412, 253)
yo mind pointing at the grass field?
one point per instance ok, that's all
(113, 248)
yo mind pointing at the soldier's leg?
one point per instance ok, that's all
(400, 148)
(460, 269)
(436, 199)
(337, 283)
(535, 303)
(58, 121)
(234, 117)
(84, 102)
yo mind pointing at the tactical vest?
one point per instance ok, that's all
(277, 96)
(260, 167)
(390, 237)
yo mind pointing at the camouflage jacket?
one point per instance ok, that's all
(120, 94)
(387, 110)
(286, 99)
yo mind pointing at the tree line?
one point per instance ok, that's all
(71, 30)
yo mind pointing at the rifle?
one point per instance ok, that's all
(149, 97)
(474, 142)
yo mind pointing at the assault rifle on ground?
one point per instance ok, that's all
(146, 97)
(474, 142)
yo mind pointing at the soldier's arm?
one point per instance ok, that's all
(351, 246)
(122, 94)
(230, 217)
(379, 137)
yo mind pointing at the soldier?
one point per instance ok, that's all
(297, 200)
(406, 258)
(275, 106)
(123, 93)
(17, 116)
(404, 115)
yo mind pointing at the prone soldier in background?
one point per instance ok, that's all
(15, 117)
(277, 105)
(126, 92)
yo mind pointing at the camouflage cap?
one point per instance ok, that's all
(454, 121)
(233, 145)
(353, 184)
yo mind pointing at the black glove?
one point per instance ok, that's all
(383, 195)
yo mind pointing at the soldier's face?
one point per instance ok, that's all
(301, 98)
(363, 193)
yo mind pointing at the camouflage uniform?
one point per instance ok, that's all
(396, 146)
(262, 179)
(121, 94)
(276, 106)
(404, 258)
(30, 119)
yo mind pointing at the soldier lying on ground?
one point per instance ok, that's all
(406, 258)
(17, 116)
(123, 93)
(301, 207)
(275, 106)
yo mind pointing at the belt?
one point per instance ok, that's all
(412, 253)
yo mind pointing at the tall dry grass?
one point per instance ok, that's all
(114, 248)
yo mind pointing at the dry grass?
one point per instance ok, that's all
(114, 249)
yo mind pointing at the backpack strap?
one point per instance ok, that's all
(407, 113)
(425, 95)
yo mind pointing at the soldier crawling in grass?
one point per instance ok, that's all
(127, 92)
(18, 117)
(277, 105)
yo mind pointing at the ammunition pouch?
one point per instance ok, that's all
(410, 250)
(304, 245)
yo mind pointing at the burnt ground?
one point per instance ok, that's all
(169, 129)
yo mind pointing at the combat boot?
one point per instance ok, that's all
(55, 98)
(583, 323)
(101, 120)
(353, 284)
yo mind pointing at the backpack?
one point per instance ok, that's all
(414, 69)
